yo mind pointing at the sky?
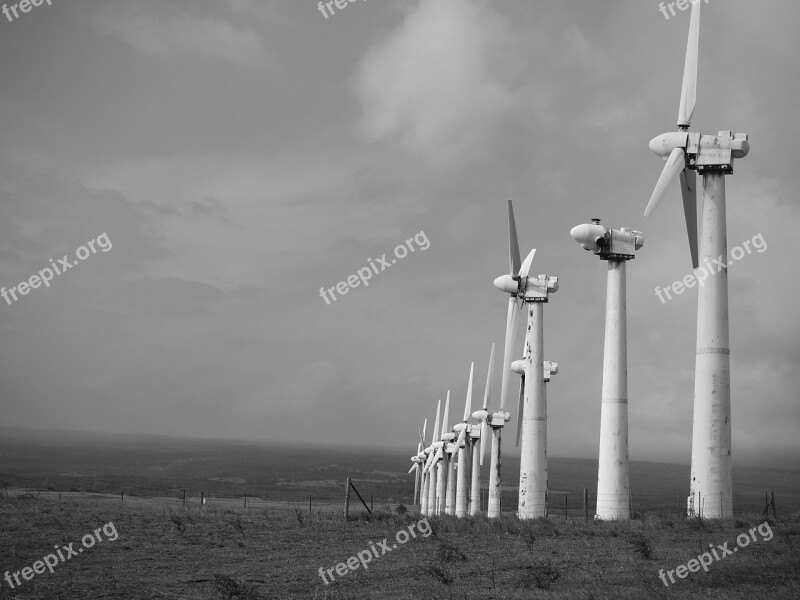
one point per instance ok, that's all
(230, 158)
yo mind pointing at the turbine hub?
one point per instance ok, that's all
(589, 236)
(506, 283)
(664, 144)
(480, 415)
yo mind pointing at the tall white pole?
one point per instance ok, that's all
(450, 500)
(415, 498)
(533, 439)
(495, 480)
(441, 481)
(463, 480)
(613, 487)
(423, 495)
(475, 491)
(711, 485)
(432, 489)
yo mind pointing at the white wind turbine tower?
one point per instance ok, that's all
(514, 284)
(534, 292)
(463, 430)
(436, 465)
(442, 461)
(449, 451)
(419, 460)
(416, 469)
(538, 491)
(613, 484)
(430, 474)
(479, 441)
(712, 156)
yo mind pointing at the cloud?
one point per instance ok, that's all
(431, 83)
(181, 34)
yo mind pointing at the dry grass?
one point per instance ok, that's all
(219, 553)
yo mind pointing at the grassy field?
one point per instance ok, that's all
(216, 552)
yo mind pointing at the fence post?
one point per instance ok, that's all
(202, 498)
(565, 505)
(309, 504)
(370, 503)
(122, 498)
(774, 514)
(347, 499)
(586, 504)
(184, 497)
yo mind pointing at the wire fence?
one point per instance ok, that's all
(556, 504)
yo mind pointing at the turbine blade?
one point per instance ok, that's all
(521, 402)
(526, 266)
(675, 164)
(445, 428)
(468, 404)
(689, 193)
(424, 429)
(461, 438)
(414, 466)
(428, 462)
(512, 321)
(487, 394)
(484, 441)
(689, 89)
(513, 243)
(436, 425)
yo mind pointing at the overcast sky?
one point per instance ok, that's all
(241, 154)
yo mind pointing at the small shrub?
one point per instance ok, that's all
(449, 552)
(440, 572)
(642, 544)
(230, 589)
(542, 574)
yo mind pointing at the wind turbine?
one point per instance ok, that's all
(515, 284)
(463, 430)
(479, 441)
(436, 462)
(426, 470)
(535, 293)
(415, 468)
(712, 156)
(449, 454)
(419, 459)
(613, 484)
(441, 460)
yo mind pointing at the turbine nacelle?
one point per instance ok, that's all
(608, 243)
(550, 369)
(703, 152)
(499, 419)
